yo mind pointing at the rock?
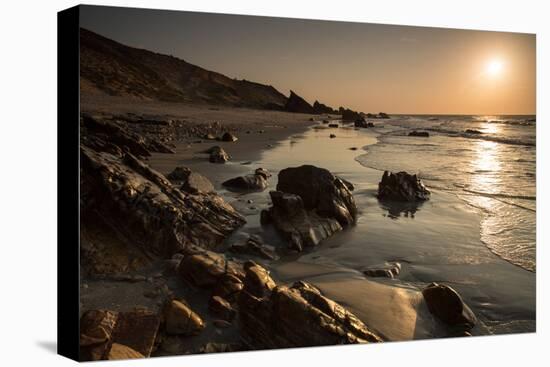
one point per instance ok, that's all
(96, 332)
(227, 136)
(310, 205)
(353, 148)
(388, 270)
(205, 269)
(138, 330)
(320, 108)
(298, 316)
(228, 287)
(423, 134)
(197, 183)
(220, 348)
(295, 103)
(332, 136)
(192, 182)
(361, 122)
(209, 137)
(253, 246)
(220, 307)
(348, 184)
(321, 191)
(349, 115)
(471, 131)
(262, 172)
(217, 155)
(383, 115)
(135, 331)
(181, 320)
(137, 211)
(447, 305)
(119, 351)
(402, 186)
(333, 125)
(254, 182)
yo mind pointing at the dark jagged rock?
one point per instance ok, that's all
(181, 320)
(472, 131)
(191, 182)
(447, 305)
(217, 155)
(253, 182)
(383, 115)
(311, 205)
(227, 136)
(390, 270)
(321, 191)
(332, 136)
(348, 184)
(101, 329)
(422, 134)
(402, 186)
(274, 316)
(320, 108)
(349, 115)
(128, 208)
(253, 246)
(295, 103)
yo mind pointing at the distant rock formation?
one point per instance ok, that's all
(349, 115)
(320, 108)
(295, 103)
(402, 186)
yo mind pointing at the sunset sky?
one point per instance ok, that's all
(367, 67)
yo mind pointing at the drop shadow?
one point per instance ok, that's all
(48, 345)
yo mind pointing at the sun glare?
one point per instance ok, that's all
(494, 67)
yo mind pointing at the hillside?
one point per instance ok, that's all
(112, 68)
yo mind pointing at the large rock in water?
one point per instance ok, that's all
(447, 305)
(321, 191)
(191, 182)
(127, 205)
(310, 205)
(295, 103)
(274, 316)
(402, 186)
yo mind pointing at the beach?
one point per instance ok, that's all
(441, 240)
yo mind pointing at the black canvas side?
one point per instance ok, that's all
(68, 258)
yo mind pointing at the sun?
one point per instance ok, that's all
(494, 67)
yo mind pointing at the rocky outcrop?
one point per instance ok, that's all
(320, 108)
(274, 316)
(422, 134)
(217, 155)
(310, 205)
(100, 330)
(349, 115)
(191, 182)
(447, 305)
(295, 103)
(181, 320)
(128, 207)
(402, 186)
(253, 182)
(383, 115)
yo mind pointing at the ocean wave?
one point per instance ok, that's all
(487, 137)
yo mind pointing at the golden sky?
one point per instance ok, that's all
(367, 67)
